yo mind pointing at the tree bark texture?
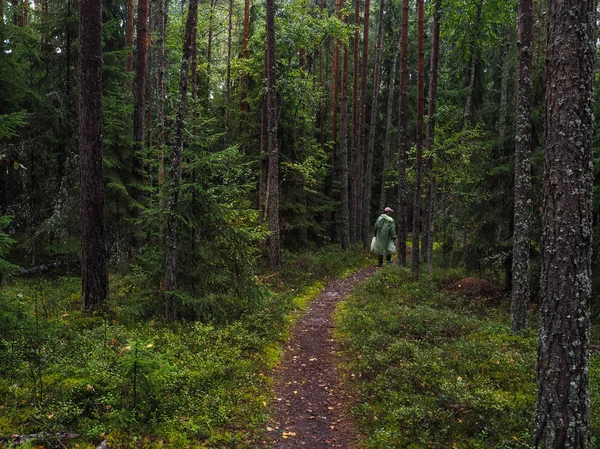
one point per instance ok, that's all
(139, 102)
(362, 120)
(355, 168)
(504, 93)
(416, 231)
(402, 143)
(522, 198)
(273, 178)
(129, 36)
(245, 54)
(160, 91)
(228, 74)
(367, 191)
(563, 404)
(344, 187)
(472, 63)
(171, 238)
(335, 88)
(94, 278)
(428, 216)
(388, 126)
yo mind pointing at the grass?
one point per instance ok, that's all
(142, 383)
(434, 369)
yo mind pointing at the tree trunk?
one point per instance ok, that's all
(213, 4)
(362, 121)
(563, 403)
(472, 63)
(160, 92)
(228, 75)
(335, 88)
(388, 126)
(94, 279)
(354, 155)
(129, 37)
(344, 193)
(416, 259)
(402, 143)
(171, 238)
(273, 178)
(504, 96)
(139, 105)
(428, 217)
(367, 191)
(245, 54)
(523, 139)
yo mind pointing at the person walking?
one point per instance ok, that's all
(385, 234)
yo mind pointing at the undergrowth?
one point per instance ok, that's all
(138, 382)
(432, 368)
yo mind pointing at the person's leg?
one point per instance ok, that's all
(380, 260)
(388, 257)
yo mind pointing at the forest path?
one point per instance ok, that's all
(311, 404)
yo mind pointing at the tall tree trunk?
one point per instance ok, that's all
(367, 191)
(402, 142)
(335, 88)
(431, 108)
(245, 54)
(273, 179)
(129, 36)
(362, 121)
(94, 279)
(354, 147)
(160, 92)
(416, 259)
(472, 64)
(388, 126)
(171, 238)
(228, 75)
(563, 403)
(264, 157)
(344, 188)
(523, 138)
(211, 18)
(139, 105)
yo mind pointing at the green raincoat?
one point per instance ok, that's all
(385, 231)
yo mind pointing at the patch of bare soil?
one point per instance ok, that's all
(311, 405)
(476, 288)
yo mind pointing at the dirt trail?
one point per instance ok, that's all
(312, 406)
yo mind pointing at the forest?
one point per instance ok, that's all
(187, 187)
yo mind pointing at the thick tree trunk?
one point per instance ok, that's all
(523, 138)
(563, 403)
(416, 259)
(367, 191)
(94, 279)
(431, 109)
(344, 193)
(171, 238)
(402, 142)
(355, 166)
(388, 126)
(264, 156)
(273, 178)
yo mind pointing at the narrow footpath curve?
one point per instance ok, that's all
(311, 405)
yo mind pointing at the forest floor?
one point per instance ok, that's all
(311, 406)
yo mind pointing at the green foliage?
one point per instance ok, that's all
(139, 382)
(9, 123)
(436, 369)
